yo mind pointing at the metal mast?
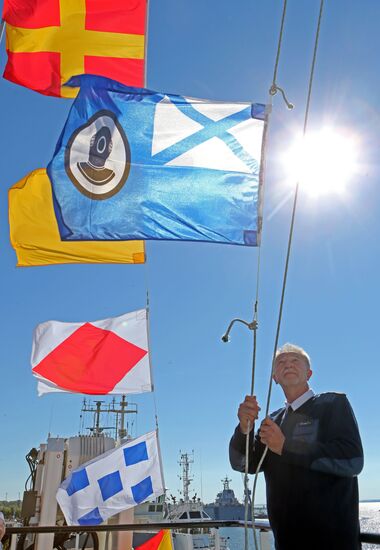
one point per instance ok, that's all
(185, 461)
(119, 426)
(226, 483)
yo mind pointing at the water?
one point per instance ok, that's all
(236, 538)
(369, 522)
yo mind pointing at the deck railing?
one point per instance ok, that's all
(260, 524)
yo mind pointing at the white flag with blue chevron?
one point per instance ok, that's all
(113, 482)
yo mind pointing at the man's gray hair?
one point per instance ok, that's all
(292, 348)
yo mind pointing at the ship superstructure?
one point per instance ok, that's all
(54, 461)
(191, 538)
(227, 507)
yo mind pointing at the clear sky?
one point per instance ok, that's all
(219, 50)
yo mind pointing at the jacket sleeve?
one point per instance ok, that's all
(338, 451)
(237, 451)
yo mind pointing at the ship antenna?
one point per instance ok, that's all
(185, 461)
(120, 429)
(226, 483)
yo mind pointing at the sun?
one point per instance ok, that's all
(322, 162)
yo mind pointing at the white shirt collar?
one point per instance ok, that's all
(297, 403)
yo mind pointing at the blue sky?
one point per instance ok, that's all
(210, 50)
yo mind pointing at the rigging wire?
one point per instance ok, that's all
(311, 78)
(272, 91)
(290, 240)
(150, 364)
(274, 87)
(254, 324)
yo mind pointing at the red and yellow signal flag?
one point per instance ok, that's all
(49, 41)
(35, 237)
(161, 541)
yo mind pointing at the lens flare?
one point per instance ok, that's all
(322, 162)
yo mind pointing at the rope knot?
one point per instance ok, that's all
(273, 91)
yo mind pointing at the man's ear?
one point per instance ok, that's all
(274, 378)
(309, 374)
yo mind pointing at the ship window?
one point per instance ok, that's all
(159, 508)
(195, 515)
(151, 508)
(204, 515)
(183, 516)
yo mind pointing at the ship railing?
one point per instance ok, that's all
(262, 525)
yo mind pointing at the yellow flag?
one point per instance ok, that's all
(166, 543)
(35, 237)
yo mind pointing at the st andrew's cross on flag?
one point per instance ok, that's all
(136, 164)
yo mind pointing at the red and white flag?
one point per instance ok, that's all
(101, 357)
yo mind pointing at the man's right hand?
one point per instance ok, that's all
(248, 412)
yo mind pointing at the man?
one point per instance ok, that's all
(314, 455)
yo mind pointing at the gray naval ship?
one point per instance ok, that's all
(227, 506)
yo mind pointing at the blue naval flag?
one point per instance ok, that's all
(137, 164)
(114, 481)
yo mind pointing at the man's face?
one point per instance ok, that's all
(291, 369)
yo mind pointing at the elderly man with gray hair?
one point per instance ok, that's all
(314, 457)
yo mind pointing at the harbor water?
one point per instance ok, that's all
(369, 522)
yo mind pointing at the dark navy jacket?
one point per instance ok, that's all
(312, 489)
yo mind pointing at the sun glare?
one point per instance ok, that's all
(322, 162)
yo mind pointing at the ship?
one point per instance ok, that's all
(227, 507)
(56, 459)
(181, 510)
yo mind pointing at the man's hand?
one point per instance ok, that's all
(271, 435)
(248, 412)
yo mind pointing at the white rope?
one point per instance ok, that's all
(272, 91)
(310, 86)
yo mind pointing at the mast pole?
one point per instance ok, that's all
(122, 430)
(185, 462)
